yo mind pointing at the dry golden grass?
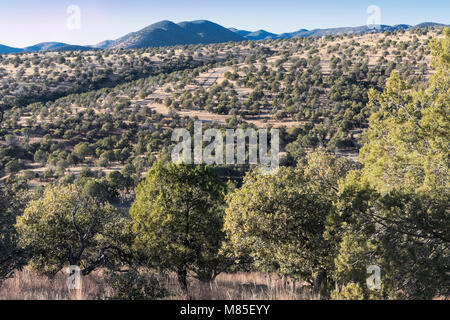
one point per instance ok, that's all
(27, 285)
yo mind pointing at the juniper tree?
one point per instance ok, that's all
(178, 219)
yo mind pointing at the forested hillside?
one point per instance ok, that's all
(86, 176)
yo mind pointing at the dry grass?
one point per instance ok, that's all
(27, 285)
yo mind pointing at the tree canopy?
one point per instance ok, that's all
(178, 218)
(66, 226)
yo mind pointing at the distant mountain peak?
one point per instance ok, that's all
(103, 44)
(428, 24)
(261, 35)
(167, 33)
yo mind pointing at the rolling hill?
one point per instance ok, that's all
(256, 35)
(45, 46)
(242, 33)
(167, 33)
(344, 30)
(103, 44)
(264, 35)
(55, 46)
(7, 50)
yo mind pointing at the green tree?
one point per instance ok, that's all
(405, 234)
(65, 226)
(280, 220)
(14, 166)
(82, 150)
(116, 180)
(409, 134)
(13, 197)
(394, 212)
(178, 219)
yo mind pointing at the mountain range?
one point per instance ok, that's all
(167, 33)
(264, 35)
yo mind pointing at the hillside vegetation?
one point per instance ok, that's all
(86, 177)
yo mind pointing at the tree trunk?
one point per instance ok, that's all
(182, 280)
(320, 283)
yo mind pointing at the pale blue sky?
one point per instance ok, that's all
(27, 22)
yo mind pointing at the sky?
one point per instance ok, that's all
(84, 22)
